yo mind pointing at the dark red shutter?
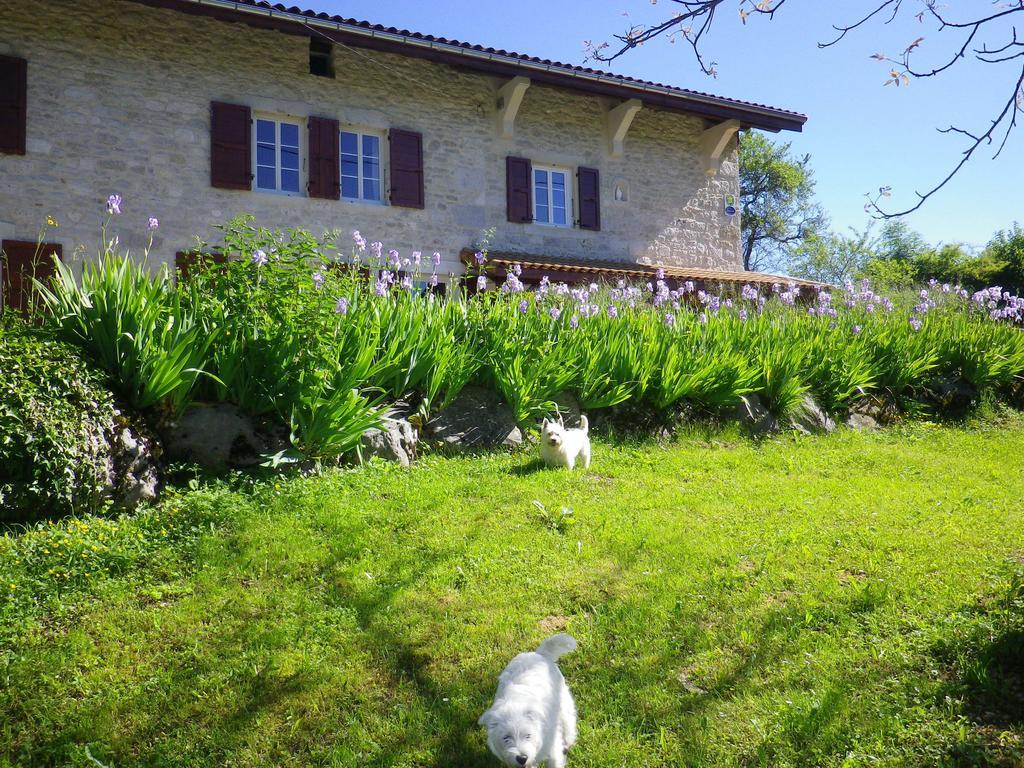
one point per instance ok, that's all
(13, 102)
(230, 146)
(21, 261)
(590, 198)
(406, 168)
(518, 189)
(188, 261)
(324, 173)
(344, 267)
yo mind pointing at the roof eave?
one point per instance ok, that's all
(290, 21)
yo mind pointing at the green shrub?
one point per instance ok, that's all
(289, 327)
(134, 325)
(523, 357)
(54, 415)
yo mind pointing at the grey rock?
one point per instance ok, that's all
(132, 462)
(871, 413)
(753, 413)
(953, 394)
(396, 440)
(477, 419)
(862, 421)
(811, 419)
(220, 436)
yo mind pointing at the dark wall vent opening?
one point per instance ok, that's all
(321, 58)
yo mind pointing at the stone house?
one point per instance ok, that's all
(195, 111)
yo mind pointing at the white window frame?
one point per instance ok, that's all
(361, 131)
(277, 119)
(570, 198)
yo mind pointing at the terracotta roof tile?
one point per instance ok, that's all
(506, 259)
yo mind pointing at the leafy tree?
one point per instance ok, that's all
(898, 242)
(1005, 252)
(831, 257)
(777, 200)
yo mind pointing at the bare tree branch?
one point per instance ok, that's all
(692, 22)
(696, 17)
(1011, 108)
(843, 31)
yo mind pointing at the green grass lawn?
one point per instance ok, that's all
(841, 601)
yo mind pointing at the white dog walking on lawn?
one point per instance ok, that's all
(561, 447)
(533, 719)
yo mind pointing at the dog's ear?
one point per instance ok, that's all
(560, 419)
(488, 718)
(544, 424)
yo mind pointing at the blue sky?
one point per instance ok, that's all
(860, 134)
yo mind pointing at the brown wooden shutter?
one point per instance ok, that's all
(13, 103)
(186, 262)
(230, 146)
(518, 189)
(589, 185)
(406, 149)
(324, 171)
(22, 260)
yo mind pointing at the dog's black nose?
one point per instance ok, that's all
(521, 759)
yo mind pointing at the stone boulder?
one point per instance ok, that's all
(952, 395)
(396, 440)
(871, 413)
(133, 470)
(478, 419)
(220, 436)
(810, 419)
(753, 414)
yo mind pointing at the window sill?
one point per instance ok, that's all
(355, 201)
(547, 225)
(277, 192)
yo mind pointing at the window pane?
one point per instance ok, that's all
(289, 181)
(266, 178)
(350, 187)
(540, 196)
(349, 143)
(371, 189)
(289, 134)
(371, 169)
(290, 158)
(558, 206)
(265, 155)
(265, 131)
(371, 146)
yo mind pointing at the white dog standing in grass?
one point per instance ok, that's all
(561, 447)
(533, 719)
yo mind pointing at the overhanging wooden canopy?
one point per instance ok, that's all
(534, 267)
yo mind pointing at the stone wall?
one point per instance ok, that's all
(119, 101)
